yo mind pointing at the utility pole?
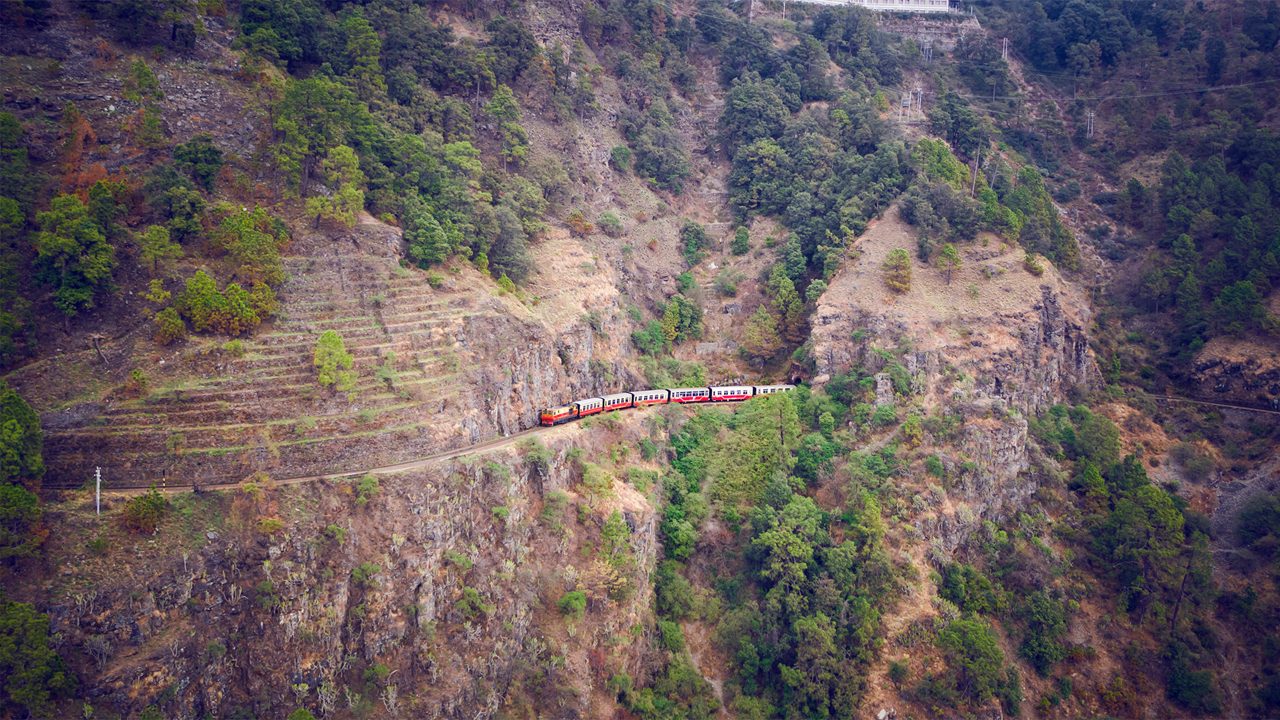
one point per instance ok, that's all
(973, 182)
(1089, 131)
(1004, 49)
(97, 494)
(928, 51)
(920, 99)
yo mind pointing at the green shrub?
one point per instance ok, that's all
(898, 672)
(620, 158)
(573, 604)
(884, 415)
(726, 282)
(458, 560)
(693, 242)
(366, 488)
(610, 224)
(169, 326)
(336, 533)
(974, 658)
(472, 604)
(365, 574)
(270, 525)
(333, 363)
(553, 507)
(672, 636)
(672, 592)
(933, 465)
(741, 244)
(144, 513)
(536, 454)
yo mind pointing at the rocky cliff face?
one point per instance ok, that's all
(1234, 370)
(993, 346)
(428, 596)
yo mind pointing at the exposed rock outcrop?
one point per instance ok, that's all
(994, 346)
(441, 582)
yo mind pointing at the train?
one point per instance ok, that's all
(662, 396)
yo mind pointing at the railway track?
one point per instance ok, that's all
(1208, 403)
(491, 444)
(415, 464)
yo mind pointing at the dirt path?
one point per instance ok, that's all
(416, 464)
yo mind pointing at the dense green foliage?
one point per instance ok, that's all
(947, 203)
(1143, 541)
(74, 256)
(32, 674)
(1206, 230)
(333, 364)
(801, 620)
(21, 467)
(21, 440)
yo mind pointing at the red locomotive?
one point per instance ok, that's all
(642, 398)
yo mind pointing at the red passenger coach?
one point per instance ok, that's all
(617, 401)
(643, 398)
(726, 393)
(690, 395)
(588, 406)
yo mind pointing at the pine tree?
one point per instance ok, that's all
(363, 48)
(169, 327)
(343, 177)
(199, 158)
(897, 270)
(238, 316)
(741, 242)
(156, 249)
(72, 255)
(428, 243)
(504, 108)
(200, 302)
(786, 301)
(333, 363)
(793, 260)
(948, 260)
(760, 338)
(21, 439)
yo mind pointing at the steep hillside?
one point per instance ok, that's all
(253, 251)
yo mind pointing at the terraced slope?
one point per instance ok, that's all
(438, 368)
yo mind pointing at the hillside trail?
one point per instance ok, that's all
(415, 464)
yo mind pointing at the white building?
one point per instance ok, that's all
(912, 6)
(919, 6)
